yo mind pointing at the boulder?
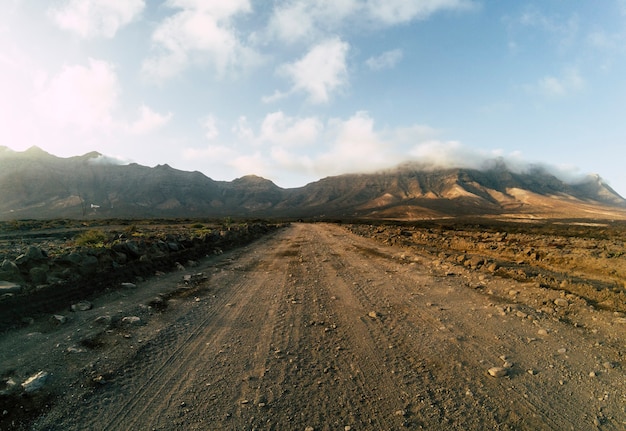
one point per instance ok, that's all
(8, 287)
(32, 254)
(89, 265)
(39, 274)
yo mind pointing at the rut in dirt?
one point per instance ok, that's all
(316, 327)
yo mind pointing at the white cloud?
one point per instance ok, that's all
(201, 31)
(93, 18)
(80, 96)
(209, 124)
(279, 129)
(559, 86)
(563, 32)
(320, 72)
(386, 60)
(304, 20)
(299, 20)
(391, 12)
(149, 121)
(287, 149)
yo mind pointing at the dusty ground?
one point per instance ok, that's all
(315, 327)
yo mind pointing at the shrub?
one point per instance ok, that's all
(92, 238)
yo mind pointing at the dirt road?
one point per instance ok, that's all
(316, 328)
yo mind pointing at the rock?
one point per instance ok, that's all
(132, 248)
(9, 271)
(89, 265)
(561, 302)
(82, 306)
(35, 382)
(128, 285)
(131, 320)
(8, 287)
(542, 332)
(103, 320)
(58, 319)
(33, 254)
(373, 314)
(38, 274)
(498, 372)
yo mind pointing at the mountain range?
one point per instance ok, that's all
(36, 184)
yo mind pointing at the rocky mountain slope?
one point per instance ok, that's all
(35, 184)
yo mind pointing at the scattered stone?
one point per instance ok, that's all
(592, 374)
(8, 287)
(38, 274)
(608, 365)
(35, 382)
(82, 306)
(498, 372)
(103, 320)
(542, 332)
(58, 319)
(562, 350)
(131, 320)
(128, 285)
(561, 302)
(373, 314)
(532, 372)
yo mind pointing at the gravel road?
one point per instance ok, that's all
(315, 328)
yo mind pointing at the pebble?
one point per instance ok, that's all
(129, 320)
(542, 332)
(561, 302)
(82, 306)
(103, 320)
(58, 319)
(373, 314)
(562, 350)
(35, 382)
(498, 371)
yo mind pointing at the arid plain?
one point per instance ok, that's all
(449, 324)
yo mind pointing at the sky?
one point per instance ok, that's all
(297, 90)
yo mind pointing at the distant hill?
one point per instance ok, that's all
(36, 184)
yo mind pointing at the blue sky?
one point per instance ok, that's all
(296, 90)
